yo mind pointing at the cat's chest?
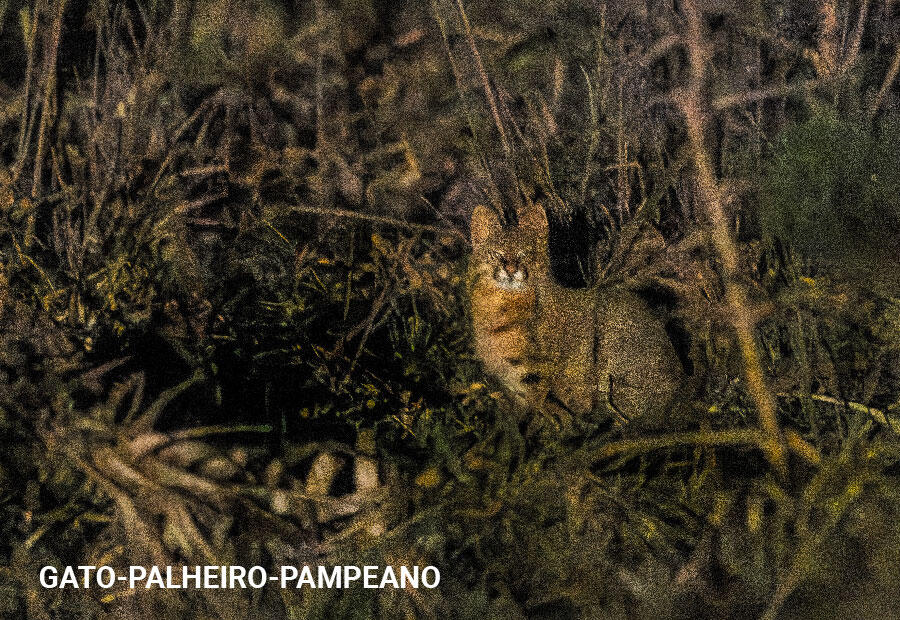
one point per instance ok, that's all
(493, 304)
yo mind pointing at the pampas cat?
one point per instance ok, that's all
(581, 349)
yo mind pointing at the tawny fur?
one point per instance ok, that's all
(584, 349)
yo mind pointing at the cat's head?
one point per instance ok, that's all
(513, 256)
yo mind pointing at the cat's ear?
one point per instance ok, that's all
(534, 219)
(483, 225)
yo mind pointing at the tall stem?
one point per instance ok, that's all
(696, 110)
(47, 110)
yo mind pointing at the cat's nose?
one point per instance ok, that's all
(510, 268)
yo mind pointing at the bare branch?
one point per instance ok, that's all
(767, 92)
(889, 78)
(853, 50)
(47, 107)
(379, 219)
(485, 82)
(696, 113)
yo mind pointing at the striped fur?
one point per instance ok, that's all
(580, 349)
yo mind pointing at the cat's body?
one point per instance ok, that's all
(582, 349)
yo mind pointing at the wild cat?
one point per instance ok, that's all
(580, 350)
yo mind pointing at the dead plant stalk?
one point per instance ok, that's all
(696, 110)
(47, 105)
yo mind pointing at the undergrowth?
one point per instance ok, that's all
(233, 305)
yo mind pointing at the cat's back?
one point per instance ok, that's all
(635, 355)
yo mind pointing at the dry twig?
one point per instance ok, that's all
(696, 112)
